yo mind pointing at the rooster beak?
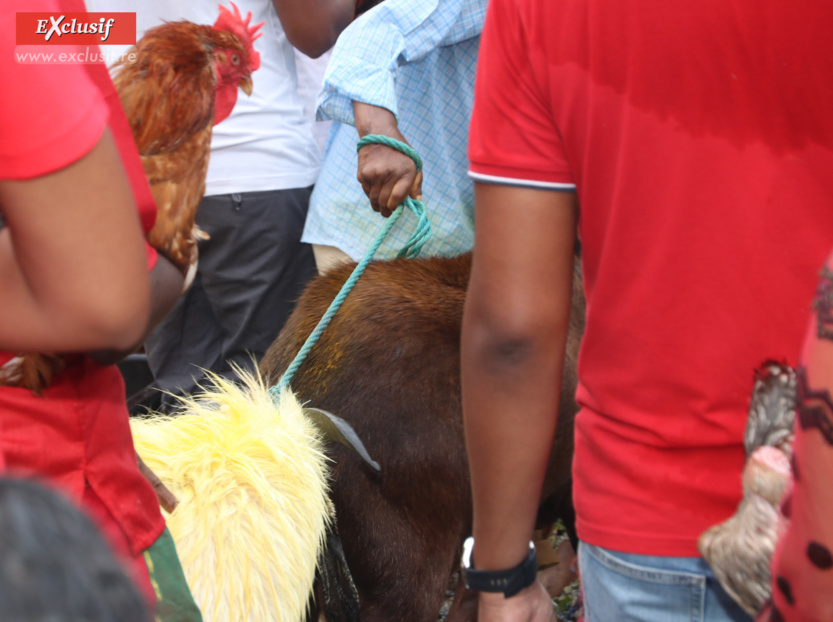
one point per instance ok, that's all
(246, 85)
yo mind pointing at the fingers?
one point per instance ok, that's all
(416, 189)
(387, 177)
(398, 193)
(530, 605)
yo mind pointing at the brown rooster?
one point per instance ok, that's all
(182, 79)
(175, 84)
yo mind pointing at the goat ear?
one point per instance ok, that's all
(338, 430)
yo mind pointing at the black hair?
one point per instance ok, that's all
(54, 564)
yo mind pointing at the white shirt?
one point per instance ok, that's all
(310, 79)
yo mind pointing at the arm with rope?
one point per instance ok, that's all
(387, 176)
(411, 249)
(360, 83)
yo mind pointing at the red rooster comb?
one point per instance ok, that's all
(235, 24)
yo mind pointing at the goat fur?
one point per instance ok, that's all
(389, 365)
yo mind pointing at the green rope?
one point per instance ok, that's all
(411, 249)
(381, 139)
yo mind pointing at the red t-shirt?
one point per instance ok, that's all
(699, 140)
(77, 434)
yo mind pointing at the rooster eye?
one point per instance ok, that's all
(235, 59)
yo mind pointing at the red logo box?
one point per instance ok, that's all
(76, 29)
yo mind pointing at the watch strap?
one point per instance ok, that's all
(509, 581)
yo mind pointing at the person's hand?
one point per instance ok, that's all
(387, 176)
(166, 498)
(530, 605)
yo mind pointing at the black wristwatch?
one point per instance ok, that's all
(510, 581)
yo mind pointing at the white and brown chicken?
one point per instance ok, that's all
(740, 549)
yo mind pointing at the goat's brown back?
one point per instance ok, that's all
(389, 364)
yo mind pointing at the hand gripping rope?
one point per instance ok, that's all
(411, 249)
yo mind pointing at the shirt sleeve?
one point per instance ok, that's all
(370, 51)
(50, 114)
(514, 139)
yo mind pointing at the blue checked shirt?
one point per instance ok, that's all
(416, 58)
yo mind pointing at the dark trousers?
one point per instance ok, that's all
(250, 274)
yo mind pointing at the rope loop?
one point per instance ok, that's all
(411, 249)
(422, 233)
(387, 141)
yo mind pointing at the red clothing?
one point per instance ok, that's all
(123, 136)
(77, 434)
(63, 132)
(50, 115)
(802, 568)
(130, 160)
(700, 142)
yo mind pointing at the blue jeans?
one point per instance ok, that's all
(620, 587)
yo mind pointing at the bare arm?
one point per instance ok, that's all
(387, 176)
(73, 272)
(166, 282)
(514, 332)
(313, 26)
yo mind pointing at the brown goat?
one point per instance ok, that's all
(389, 364)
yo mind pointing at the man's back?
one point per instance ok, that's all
(700, 144)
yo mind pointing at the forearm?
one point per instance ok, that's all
(313, 26)
(797, 563)
(510, 397)
(372, 119)
(166, 282)
(514, 332)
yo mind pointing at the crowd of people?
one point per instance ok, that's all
(689, 150)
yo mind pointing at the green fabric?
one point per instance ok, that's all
(174, 602)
